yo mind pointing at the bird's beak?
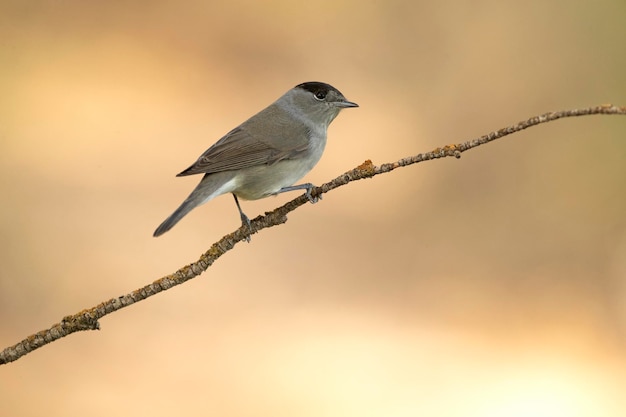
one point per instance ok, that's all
(345, 104)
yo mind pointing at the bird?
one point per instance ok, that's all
(268, 153)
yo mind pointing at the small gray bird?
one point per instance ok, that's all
(267, 153)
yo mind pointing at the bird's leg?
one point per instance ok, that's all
(306, 186)
(245, 221)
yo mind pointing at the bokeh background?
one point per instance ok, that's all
(494, 285)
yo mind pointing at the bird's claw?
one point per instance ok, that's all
(245, 222)
(311, 198)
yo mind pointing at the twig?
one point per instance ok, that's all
(88, 319)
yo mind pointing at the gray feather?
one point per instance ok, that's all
(284, 138)
(211, 186)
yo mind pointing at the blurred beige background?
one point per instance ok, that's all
(494, 285)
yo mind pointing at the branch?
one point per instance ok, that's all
(88, 319)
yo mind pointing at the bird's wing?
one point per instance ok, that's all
(284, 138)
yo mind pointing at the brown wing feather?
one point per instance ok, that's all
(240, 149)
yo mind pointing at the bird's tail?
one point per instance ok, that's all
(211, 186)
(175, 217)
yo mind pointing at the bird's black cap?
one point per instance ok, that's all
(317, 87)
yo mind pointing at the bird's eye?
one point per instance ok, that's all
(320, 95)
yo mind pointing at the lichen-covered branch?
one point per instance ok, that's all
(88, 319)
